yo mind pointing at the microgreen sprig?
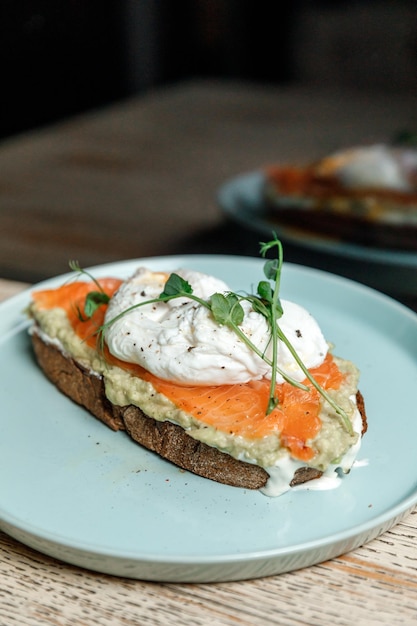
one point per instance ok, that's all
(94, 299)
(272, 270)
(269, 295)
(226, 309)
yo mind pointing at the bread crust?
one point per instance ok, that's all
(168, 440)
(76, 382)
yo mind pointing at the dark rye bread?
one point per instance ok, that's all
(168, 440)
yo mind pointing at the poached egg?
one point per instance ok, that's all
(180, 341)
(373, 167)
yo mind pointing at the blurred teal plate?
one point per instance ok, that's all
(394, 271)
(72, 489)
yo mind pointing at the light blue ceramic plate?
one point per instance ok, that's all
(73, 489)
(393, 271)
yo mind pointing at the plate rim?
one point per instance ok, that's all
(385, 518)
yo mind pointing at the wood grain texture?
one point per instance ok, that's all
(375, 585)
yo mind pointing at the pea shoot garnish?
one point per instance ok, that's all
(226, 310)
(94, 299)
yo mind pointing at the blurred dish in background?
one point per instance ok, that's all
(390, 269)
(366, 195)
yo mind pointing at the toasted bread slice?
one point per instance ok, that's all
(167, 439)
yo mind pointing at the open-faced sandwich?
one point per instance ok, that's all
(366, 195)
(240, 389)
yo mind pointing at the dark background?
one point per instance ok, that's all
(62, 57)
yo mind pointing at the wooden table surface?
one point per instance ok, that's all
(110, 176)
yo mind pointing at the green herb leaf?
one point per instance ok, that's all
(265, 291)
(226, 309)
(259, 306)
(93, 301)
(176, 286)
(220, 308)
(272, 269)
